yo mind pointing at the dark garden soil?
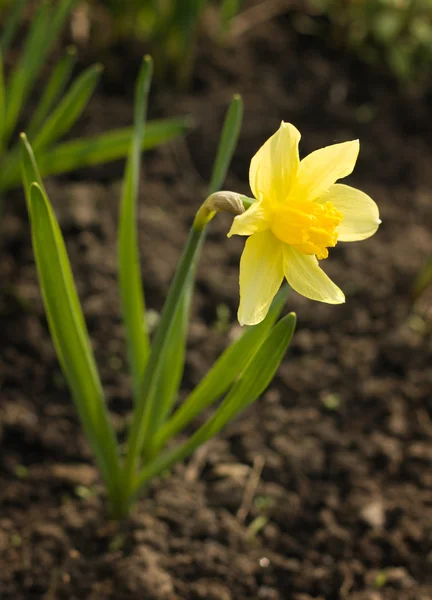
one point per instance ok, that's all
(340, 445)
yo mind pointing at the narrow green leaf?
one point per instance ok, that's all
(423, 280)
(2, 101)
(87, 152)
(43, 32)
(62, 303)
(223, 373)
(252, 383)
(27, 69)
(155, 410)
(227, 144)
(180, 36)
(113, 145)
(67, 323)
(258, 373)
(61, 12)
(69, 109)
(173, 360)
(130, 282)
(145, 411)
(13, 19)
(53, 90)
(69, 334)
(29, 168)
(228, 10)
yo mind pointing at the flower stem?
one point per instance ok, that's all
(145, 409)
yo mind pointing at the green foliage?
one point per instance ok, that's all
(59, 105)
(171, 28)
(396, 32)
(238, 378)
(423, 280)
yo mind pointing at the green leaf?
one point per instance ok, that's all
(44, 31)
(228, 10)
(68, 328)
(27, 69)
(400, 60)
(172, 359)
(53, 90)
(61, 12)
(227, 144)
(29, 169)
(87, 152)
(147, 410)
(186, 22)
(423, 280)
(131, 289)
(13, 19)
(171, 373)
(223, 373)
(2, 101)
(257, 375)
(254, 380)
(62, 304)
(387, 25)
(69, 109)
(113, 145)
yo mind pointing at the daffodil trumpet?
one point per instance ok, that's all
(298, 214)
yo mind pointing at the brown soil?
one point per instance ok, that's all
(344, 500)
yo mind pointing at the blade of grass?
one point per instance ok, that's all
(222, 374)
(252, 383)
(69, 109)
(88, 152)
(53, 90)
(130, 282)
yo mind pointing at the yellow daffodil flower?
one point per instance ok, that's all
(298, 214)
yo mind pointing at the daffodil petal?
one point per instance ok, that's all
(274, 167)
(307, 278)
(322, 168)
(261, 274)
(360, 212)
(254, 219)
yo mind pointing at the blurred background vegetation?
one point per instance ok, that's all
(393, 34)
(170, 28)
(27, 40)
